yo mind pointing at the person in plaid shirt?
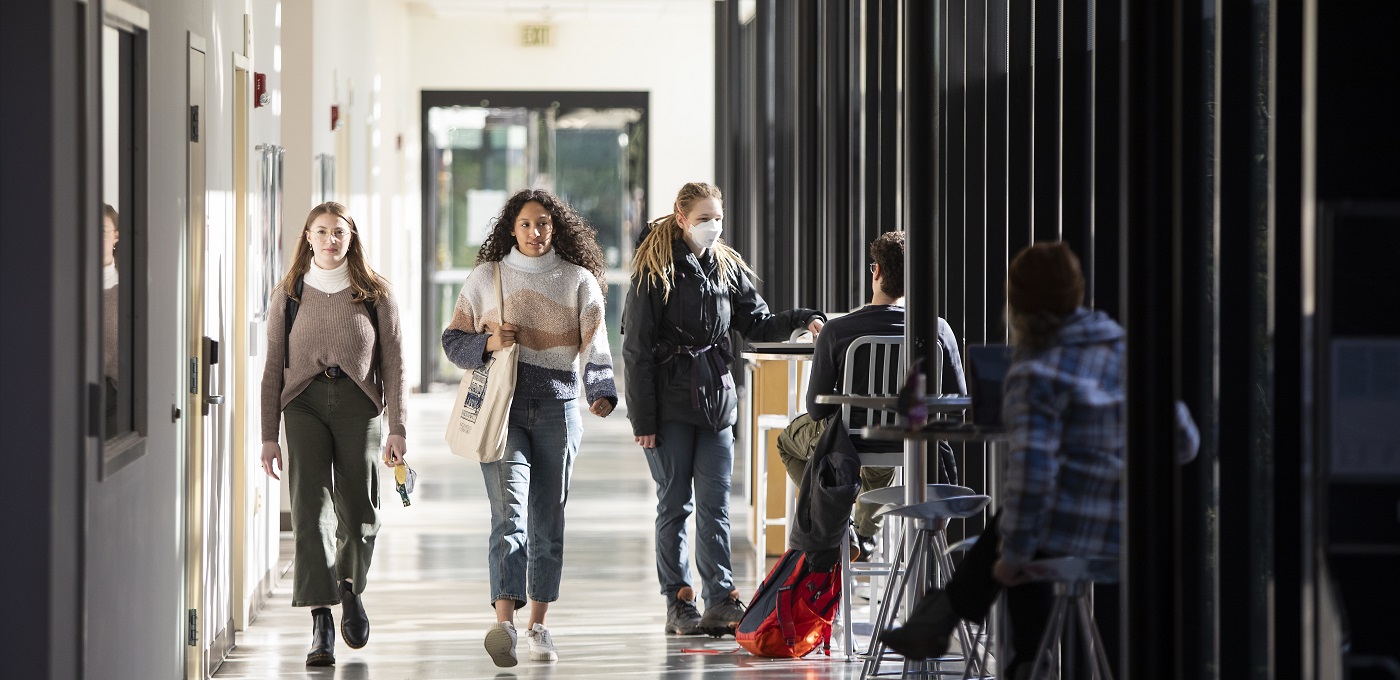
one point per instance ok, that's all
(1063, 409)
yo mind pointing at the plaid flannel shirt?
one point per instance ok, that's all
(1063, 407)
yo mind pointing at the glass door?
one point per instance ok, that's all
(589, 148)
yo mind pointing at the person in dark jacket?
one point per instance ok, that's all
(883, 316)
(688, 289)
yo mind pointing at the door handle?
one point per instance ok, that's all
(214, 399)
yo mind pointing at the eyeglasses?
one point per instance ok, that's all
(339, 234)
(872, 267)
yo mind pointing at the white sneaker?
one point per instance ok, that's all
(500, 644)
(541, 644)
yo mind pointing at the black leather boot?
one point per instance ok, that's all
(322, 638)
(354, 623)
(925, 634)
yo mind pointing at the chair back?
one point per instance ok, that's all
(882, 356)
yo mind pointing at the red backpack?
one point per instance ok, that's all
(792, 610)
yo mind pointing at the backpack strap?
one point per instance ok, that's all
(372, 310)
(289, 315)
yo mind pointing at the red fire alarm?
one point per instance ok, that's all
(335, 116)
(260, 96)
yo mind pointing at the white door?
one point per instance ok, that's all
(207, 516)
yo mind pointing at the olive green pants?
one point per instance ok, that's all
(795, 446)
(333, 440)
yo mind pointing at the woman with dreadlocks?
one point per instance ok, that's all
(552, 281)
(688, 289)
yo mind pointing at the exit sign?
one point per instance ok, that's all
(536, 35)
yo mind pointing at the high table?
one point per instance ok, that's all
(996, 440)
(793, 353)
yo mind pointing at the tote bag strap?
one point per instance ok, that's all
(500, 294)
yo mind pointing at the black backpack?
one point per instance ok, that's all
(289, 315)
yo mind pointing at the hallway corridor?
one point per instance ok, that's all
(426, 599)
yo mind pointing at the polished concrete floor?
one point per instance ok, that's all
(427, 595)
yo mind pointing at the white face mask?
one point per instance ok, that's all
(706, 233)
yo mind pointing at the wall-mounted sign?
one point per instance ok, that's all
(536, 35)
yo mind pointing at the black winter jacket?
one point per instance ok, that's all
(677, 351)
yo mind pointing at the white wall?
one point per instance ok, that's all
(352, 53)
(669, 54)
(666, 52)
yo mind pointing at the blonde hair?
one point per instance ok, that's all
(653, 261)
(367, 284)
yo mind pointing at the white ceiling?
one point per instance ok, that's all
(552, 10)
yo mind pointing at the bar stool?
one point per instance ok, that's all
(767, 423)
(870, 569)
(945, 502)
(1073, 578)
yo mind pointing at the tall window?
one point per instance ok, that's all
(123, 228)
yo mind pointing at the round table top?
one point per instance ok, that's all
(940, 403)
(958, 432)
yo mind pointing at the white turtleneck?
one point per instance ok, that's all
(109, 276)
(328, 280)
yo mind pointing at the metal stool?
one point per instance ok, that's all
(850, 570)
(944, 502)
(1073, 578)
(766, 424)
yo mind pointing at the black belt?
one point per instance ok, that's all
(719, 357)
(333, 372)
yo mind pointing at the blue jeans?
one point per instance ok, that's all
(686, 455)
(528, 488)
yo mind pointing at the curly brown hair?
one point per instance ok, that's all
(888, 252)
(574, 239)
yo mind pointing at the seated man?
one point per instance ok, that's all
(883, 316)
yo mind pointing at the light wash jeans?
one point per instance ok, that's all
(528, 488)
(687, 455)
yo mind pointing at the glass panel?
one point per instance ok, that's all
(118, 194)
(593, 149)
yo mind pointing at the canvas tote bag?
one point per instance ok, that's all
(477, 427)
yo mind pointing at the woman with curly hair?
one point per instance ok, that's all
(688, 289)
(552, 280)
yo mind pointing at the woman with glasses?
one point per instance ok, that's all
(334, 364)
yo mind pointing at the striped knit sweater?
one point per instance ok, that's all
(558, 308)
(333, 330)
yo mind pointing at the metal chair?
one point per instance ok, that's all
(886, 366)
(883, 358)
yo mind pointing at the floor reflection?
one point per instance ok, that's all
(427, 592)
